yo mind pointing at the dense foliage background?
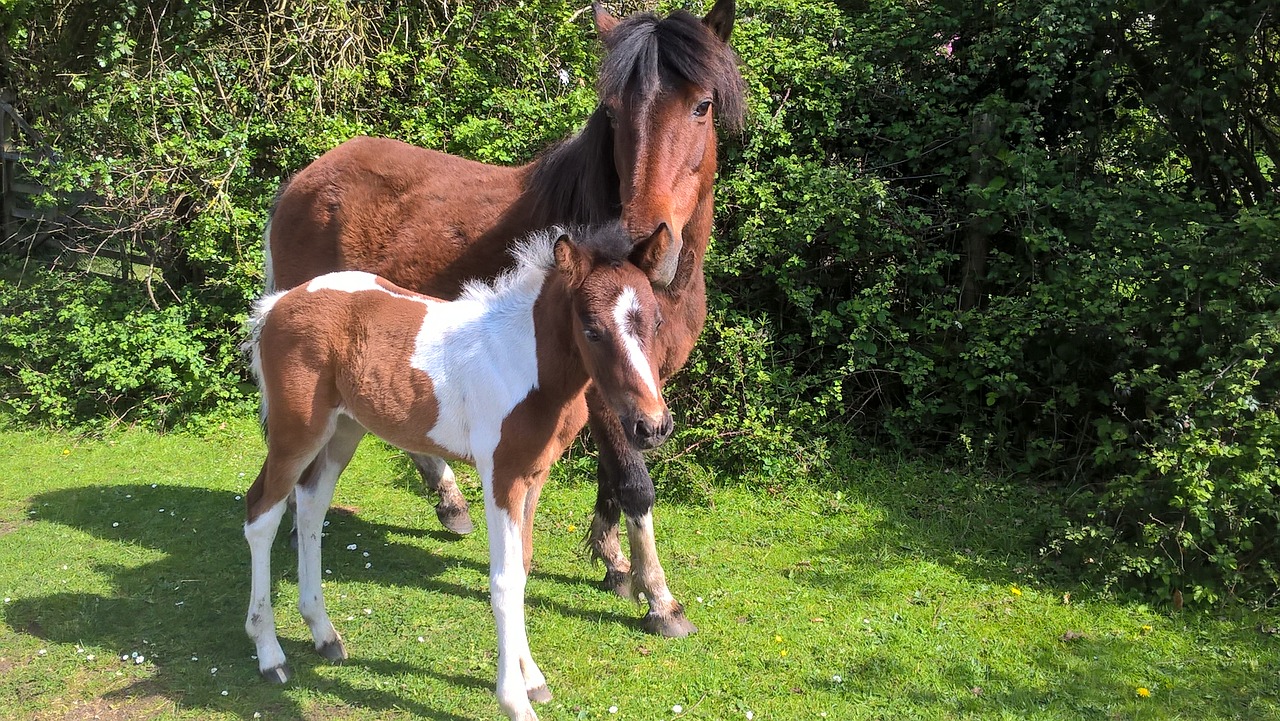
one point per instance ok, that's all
(1037, 237)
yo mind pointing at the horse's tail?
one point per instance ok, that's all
(266, 237)
(252, 348)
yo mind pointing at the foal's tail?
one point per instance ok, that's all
(252, 347)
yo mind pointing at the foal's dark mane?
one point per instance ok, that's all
(609, 243)
(575, 181)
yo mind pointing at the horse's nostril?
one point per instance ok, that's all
(643, 429)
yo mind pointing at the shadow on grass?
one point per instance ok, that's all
(185, 611)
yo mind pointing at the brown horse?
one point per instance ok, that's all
(432, 222)
(497, 378)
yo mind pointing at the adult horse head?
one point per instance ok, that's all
(652, 139)
(432, 222)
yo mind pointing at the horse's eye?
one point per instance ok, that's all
(703, 108)
(593, 335)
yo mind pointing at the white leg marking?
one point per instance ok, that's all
(517, 673)
(646, 570)
(261, 622)
(313, 502)
(626, 304)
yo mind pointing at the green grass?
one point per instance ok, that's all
(894, 599)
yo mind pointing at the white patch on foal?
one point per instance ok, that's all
(354, 281)
(627, 304)
(479, 350)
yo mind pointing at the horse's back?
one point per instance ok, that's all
(383, 206)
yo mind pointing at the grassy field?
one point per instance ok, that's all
(910, 593)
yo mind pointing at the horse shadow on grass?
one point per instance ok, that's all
(184, 612)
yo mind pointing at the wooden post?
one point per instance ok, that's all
(8, 166)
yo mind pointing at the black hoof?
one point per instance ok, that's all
(278, 675)
(672, 625)
(617, 582)
(541, 694)
(456, 520)
(334, 651)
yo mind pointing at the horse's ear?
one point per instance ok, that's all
(605, 20)
(658, 256)
(570, 261)
(720, 19)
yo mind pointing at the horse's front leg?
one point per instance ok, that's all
(519, 678)
(622, 472)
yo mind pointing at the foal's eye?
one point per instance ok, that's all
(703, 108)
(593, 335)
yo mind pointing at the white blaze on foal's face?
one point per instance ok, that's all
(628, 317)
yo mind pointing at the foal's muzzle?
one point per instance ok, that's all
(647, 432)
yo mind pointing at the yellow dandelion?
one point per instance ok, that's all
(572, 528)
(777, 639)
(783, 652)
(1015, 591)
(1146, 628)
(66, 451)
(1144, 692)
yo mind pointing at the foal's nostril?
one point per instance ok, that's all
(644, 431)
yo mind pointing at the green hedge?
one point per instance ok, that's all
(1038, 239)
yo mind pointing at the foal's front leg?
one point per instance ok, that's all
(519, 678)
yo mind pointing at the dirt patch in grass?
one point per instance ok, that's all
(7, 527)
(137, 701)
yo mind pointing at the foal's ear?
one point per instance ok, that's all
(605, 20)
(658, 256)
(720, 19)
(570, 260)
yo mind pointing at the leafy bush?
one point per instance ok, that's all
(71, 351)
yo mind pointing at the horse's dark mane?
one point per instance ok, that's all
(575, 181)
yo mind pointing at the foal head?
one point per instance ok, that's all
(615, 318)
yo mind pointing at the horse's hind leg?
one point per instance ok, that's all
(313, 495)
(452, 510)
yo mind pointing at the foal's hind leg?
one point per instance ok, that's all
(452, 510)
(265, 505)
(314, 493)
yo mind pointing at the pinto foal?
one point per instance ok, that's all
(496, 378)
